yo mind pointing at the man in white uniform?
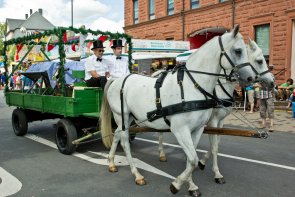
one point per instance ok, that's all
(96, 69)
(118, 65)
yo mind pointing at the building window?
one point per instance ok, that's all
(195, 4)
(152, 9)
(262, 38)
(135, 11)
(170, 7)
(222, 1)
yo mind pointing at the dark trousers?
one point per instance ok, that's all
(96, 82)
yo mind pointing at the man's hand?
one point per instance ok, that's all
(94, 74)
(107, 74)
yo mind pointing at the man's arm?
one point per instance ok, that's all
(94, 74)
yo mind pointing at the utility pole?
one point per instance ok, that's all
(72, 13)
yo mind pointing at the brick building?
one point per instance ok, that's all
(271, 23)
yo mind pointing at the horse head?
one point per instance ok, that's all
(234, 56)
(257, 60)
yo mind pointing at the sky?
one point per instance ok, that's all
(105, 15)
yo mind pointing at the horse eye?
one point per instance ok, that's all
(259, 61)
(238, 51)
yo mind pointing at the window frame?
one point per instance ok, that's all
(151, 15)
(135, 20)
(255, 27)
(170, 11)
(197, 2)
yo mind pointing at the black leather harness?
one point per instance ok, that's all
(184, 106)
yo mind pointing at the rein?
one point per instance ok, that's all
(257, 73)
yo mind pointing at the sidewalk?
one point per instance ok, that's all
(283, 120)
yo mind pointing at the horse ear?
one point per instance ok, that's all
(236, 30)
(251, 44)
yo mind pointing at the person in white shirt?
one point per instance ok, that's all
(96, 69)
(118, 65)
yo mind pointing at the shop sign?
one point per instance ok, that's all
(159, 45)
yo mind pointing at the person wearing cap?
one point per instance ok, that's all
(96, 70)
(118, 65)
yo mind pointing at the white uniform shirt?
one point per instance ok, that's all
(99, 66)
(117, 67)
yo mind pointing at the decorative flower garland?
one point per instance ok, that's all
(60, 32)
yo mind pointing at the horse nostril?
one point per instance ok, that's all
(250, 79)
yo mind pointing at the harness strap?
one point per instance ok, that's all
(226, 103)
(204, 92)
(180, 75)
(263, 73)
(122, 103)
(158, 85)
(224, 90)
(182, 108)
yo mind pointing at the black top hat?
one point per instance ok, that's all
(117, 43)
(97, 44)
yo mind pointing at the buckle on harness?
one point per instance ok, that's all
(180, 82)
(158, 100)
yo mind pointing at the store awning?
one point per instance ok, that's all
(217, 30)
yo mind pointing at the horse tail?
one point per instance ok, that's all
(106, 118)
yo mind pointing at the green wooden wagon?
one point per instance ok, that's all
(77, 107)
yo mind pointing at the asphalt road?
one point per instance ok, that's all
(32, 166)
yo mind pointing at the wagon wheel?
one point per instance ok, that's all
(19, 122)
(65, 134)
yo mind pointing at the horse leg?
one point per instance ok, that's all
(139, 179)
(202, 162)
(116, 139)
(184, 139)
(214, 140)
(193, 188)
(161, 148)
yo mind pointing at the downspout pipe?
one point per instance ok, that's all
(182, 17)
(233, 12)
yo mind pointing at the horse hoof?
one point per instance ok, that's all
(201, 166)
(220, 180)
(163, 159)
(173, 189)
(140, 182)
(195, 193)
(113, 169)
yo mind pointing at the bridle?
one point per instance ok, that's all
(235, 67)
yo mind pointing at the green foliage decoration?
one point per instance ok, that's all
(59, 32)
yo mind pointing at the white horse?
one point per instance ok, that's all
(137, 97)
(265, 77)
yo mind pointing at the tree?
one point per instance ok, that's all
(2, 35)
